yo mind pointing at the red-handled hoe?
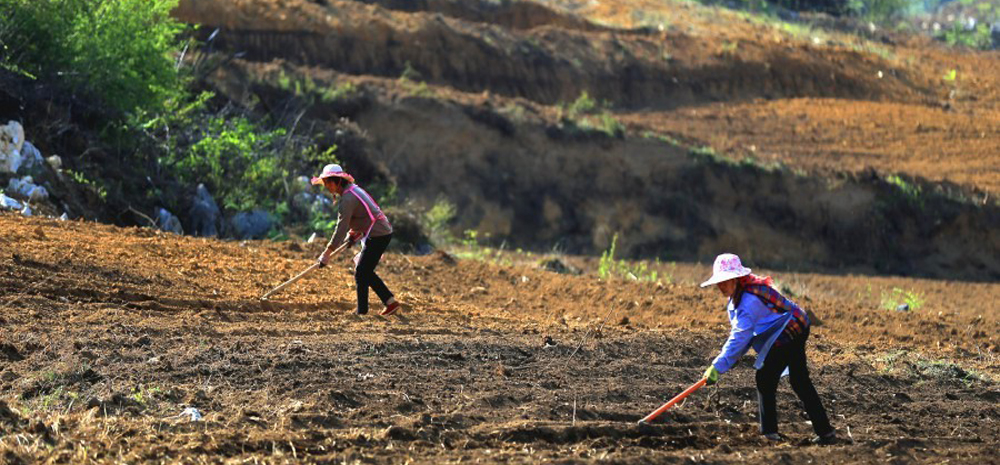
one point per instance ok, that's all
(670, 403)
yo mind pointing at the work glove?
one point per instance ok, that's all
(324, 258)
(711, 375)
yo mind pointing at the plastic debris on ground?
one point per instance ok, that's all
(193, 413)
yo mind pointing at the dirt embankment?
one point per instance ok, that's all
(549, 63)
(107, 335)
(515, 174)
(943, 144)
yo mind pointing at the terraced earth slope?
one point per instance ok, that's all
(799, 147)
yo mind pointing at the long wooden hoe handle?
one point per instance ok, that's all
(301, 275)
(671, 402)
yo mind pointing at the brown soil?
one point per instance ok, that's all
(844, 114)
(108, 334)
(518, 173)
(940, 144)
(551, 63)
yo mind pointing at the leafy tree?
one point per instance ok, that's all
(117, 50)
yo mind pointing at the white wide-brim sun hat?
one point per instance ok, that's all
(330, 171)
(727, 266)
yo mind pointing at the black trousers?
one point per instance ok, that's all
(793, 356)
(364, 274)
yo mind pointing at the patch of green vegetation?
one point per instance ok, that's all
(145, 395)
(120, 51)
(896, 296)
(471, 249)
(909, 190)
(588, 114)
(515, 112)
(978, 37)
(436, 220)
(879, 11)
(610, 267)
(307, 89)
(662, 138)
(921, 369)
(245, 163)
(82, 179)
(949, 371)
(412, 81)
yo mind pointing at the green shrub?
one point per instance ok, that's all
(119, 51)
(588, 114)
(958, 35)
(245, 163)
(437, 218)
(609, 267)
(897, 297)
(879, 11)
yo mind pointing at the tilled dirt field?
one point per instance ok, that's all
(109, 334)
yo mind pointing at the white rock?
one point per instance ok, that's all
(11, 143)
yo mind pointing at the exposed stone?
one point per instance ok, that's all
(26, 189)
(31, 159)
(11, 144)
(556, 265)
(251, 225)
(168, 222)
(204, 214)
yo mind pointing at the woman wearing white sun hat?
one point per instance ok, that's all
(777, 329)
(359, 219)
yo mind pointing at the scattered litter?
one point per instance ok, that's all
(549, 342)
(9, 203)
(903, 308)
(64, 217)
(312, 238)
(193, 413)
(27, 211)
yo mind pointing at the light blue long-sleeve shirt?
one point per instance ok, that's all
(753, 324)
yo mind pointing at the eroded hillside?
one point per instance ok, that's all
(880, 168)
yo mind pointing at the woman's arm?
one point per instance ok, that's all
(738, 343)
(345, 211)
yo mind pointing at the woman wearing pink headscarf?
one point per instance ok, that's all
(777, 329)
